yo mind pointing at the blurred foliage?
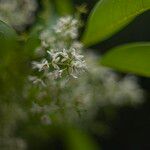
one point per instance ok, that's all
(64, 7)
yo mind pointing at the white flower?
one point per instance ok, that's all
(40, 65)
(56, 74)
(77, 67)
(67, 27)
(36, 80)
(69, 59)
(75, 55)
(55, 59)
(65, 56)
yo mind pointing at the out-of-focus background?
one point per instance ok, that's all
(131, 129)
(126, 129)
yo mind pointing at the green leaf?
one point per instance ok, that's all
(78, 140)
(46, 14)
(33, 40)
(134, 58)
(110, 16)
(6, 32)
(8, 40)
(64, 7)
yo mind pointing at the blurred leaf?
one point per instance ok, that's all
(134, 58)
(64, 7)
(8, 36)
(6, 32)
(33, 40)
(8, 41)
(109, 16)
(47, 11)
(78, 140)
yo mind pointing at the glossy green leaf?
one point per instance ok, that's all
(109, 16)
(132, 58)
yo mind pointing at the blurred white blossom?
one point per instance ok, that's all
(66, 27)
(82, 98)
(18, 13)
(11, 114)
(45, 120)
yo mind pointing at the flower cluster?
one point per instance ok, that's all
(62, 51)
(97, 87)
(79, 99)
(18, 13)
